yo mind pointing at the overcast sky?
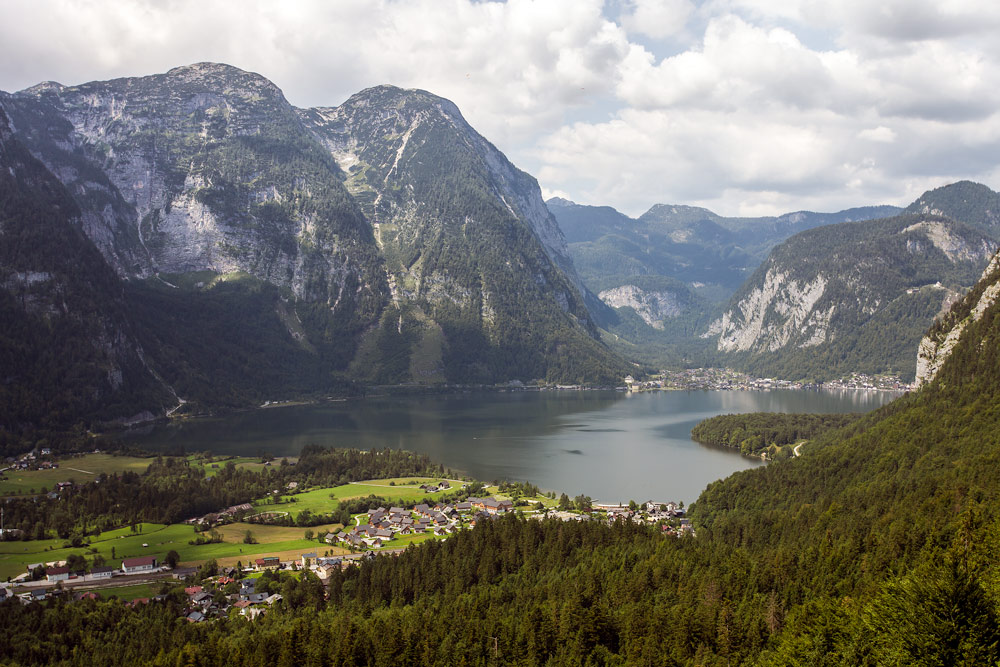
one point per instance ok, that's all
(742, 106)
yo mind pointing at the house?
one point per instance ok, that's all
(494, 506)
(138, 565)
(463, 507)
(101, 572)
(196, 617)
(422, 509)
(308, 558)
(181, 572)
(203, 599)
(57, 573)
(267, 563)
(193, 590)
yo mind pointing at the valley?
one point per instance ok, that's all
(235, 332)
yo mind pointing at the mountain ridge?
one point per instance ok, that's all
(204, 181)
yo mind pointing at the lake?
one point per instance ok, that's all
(612, 446)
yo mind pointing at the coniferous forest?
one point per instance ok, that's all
(188, 242)
(876, 548)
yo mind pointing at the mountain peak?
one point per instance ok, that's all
(972, 203)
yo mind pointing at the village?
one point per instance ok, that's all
(713, 379)
(249, 589)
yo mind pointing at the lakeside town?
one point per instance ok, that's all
(725, 378)
(207, 591)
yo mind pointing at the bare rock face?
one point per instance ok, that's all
(653, 306)
(470, 249)
(388, 226)
(937, 345)
(845, 284)
(205, 168)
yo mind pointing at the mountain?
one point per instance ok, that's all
(937, 345)
(67, 347)
(472, 253)
(850, 297)
(668, 273)
(269, 251)
(973, 203)
(687, 243)
(876, 546)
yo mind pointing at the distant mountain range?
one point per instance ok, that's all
(827, 294)
(190, 240)
(251, 250)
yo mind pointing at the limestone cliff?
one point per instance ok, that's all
(858, 291)
(936, 347)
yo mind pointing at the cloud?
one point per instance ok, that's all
(738, 105)
(657, 18)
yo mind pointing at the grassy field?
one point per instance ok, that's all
(234, 532)
(406, 490)
(272, 541)
(127, 593)
(78, 468)
(242, 462)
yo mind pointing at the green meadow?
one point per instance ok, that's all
(77, 469)
(16, 556)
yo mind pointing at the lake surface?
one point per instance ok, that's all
(609, 445)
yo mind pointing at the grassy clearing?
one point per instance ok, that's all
(287, 554)
(213, 464)
(78, 469)
(127, 593)
(406, 490)
(235, 532)
(272, 540)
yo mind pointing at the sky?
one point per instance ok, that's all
(746, 107)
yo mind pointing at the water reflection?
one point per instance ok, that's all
(609, 445)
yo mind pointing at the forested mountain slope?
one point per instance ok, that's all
(852, 297)
(875, 547)
(67, 347)
(257, 268)
(668, 273)
(482, 286)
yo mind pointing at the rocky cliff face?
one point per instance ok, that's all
(834, 287)
(653, 306)
(470, 248)
(205, 167)
(385, 237)
(67, 347)
(936, 347)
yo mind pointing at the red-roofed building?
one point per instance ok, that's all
(57, 573)
(267, 562)
(138, 565)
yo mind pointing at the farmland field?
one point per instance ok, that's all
(272, 540)
(78, 469)
(405, 490)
